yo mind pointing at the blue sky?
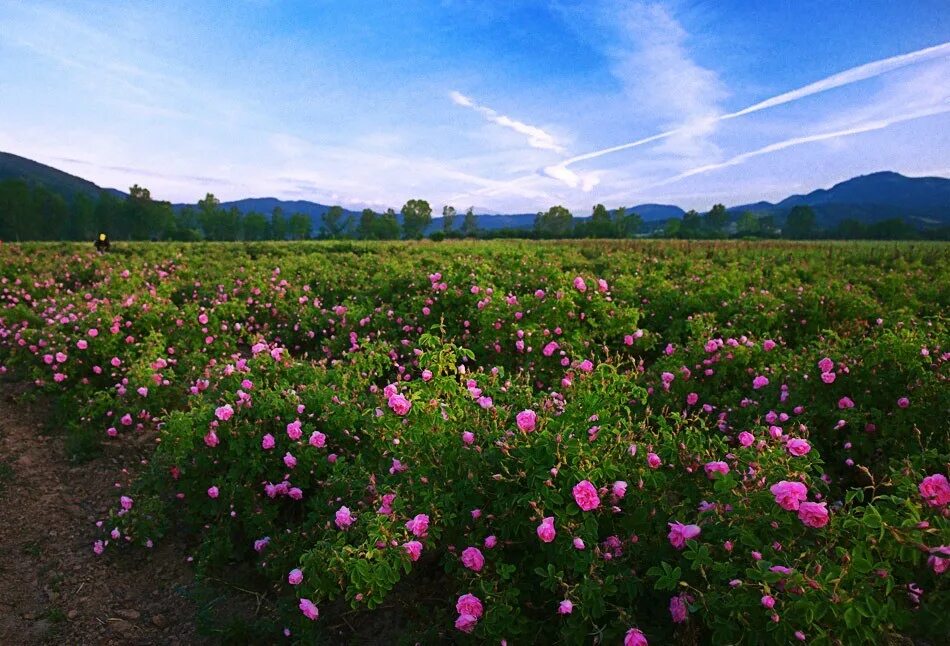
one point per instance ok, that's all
(505, 106)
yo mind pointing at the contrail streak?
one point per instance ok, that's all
(853, 75)
(868, 126)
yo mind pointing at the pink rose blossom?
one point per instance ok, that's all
(309, 609)
(413, 549)
(813, 514)
(399, 404)
(935, 489)
(678, 609)
(565, 607)
(224, 413)
(798, 447)
(546, 531)
(295, 577)
(344, 518)
(635, 637)
(680, 533)
(585, 495)
(473, 559)
(419, 525)
(527, 420)
(789, 495)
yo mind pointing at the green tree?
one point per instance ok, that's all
(334, 224)
(299, 226)
(672, 227)
(278, 224)
(448, 218)
(692, 223)
(256, 226)
(416, 216)
(15, 210)
(717, 218)
(470, 223)
(600, 224)
(366, 229)
(748, 224)
(626, 225)
(387, 226)
(800, 223)
(556, 222)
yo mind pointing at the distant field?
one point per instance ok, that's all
(689, 442)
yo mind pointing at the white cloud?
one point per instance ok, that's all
(537, 138)
(857, 129)
(847, 77)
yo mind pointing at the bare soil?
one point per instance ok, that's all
(53, 588)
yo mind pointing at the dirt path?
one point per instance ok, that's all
(53, 588)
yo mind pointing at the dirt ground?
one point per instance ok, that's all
(53, 588)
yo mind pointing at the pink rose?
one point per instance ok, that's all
(654, 460)
(466, 623)
(680, 533)
(527, 420)
(826, 365)
(565, 607)
(712, 468)
(798, 447)
(789, 495)
(419, 525)
(619, 488)
(935, 489)
(635, 637)
(828, 377)
(760, 382)
(293, 430)
(344, 518)
(318, 439)
(295, 577)
(224, 413)
(678, 609)
(746, 438)
(546, 531)
(267, 442)
(399, 404)
(212, 492)
(580, 285)
(472, 559)
(309, 609)
(413, 549)
(768, 601)
(585, 495)
(813, 514)
(469, 604)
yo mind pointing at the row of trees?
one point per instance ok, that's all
(32, 212)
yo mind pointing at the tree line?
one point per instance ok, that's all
(33, 212)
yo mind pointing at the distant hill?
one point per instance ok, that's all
(923, 201)
(16, 167)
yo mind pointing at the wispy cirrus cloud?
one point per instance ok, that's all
(537, 137)
(856, 129)
(846, 77)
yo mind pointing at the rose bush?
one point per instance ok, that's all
(625, 443)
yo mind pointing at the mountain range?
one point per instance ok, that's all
(923, 202)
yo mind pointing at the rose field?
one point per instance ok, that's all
(510, 442)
